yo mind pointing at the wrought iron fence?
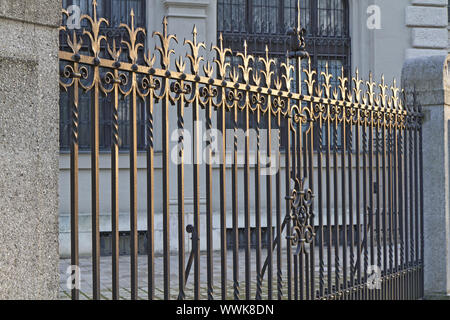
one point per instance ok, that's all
(341, 222)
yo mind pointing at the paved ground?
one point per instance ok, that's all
(106, 282)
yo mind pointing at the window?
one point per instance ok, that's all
(266, 22)
(116, 11)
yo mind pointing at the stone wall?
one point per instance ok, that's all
(29, 148)
(429, 78)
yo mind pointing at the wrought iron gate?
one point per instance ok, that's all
(342, 212)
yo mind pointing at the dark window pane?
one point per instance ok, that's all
(327, 36)
(116, 12)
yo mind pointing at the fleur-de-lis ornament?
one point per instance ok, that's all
(245, 67)
(208, 69)
(114, 52)
(287, 74)
(383, 95)
(149, 59)
(221, 60)
(94, 34)
(75, 45)
(395, 94)
(180, 64)
(327, 81)
(164, 49)
(310, 78)
(343, 81)
(195, 47)
(357, 88)
(133, 32)
(371, 89)
(267, 70)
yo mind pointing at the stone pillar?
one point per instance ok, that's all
(429, 77)
(29, 146)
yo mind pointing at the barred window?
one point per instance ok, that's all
(116, 12)
(266, 22)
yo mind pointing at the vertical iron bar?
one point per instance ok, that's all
(320, 209)
(150, 196)
(95, 137)
(406, 211)
(235, 204)
(386, 188)
(115, 191)
(278, 216)
(258, 207)
(391, 210)
(337, 267)
(311, 186)
(223, 213)
(196, 191)
(400, 208)
(394, 212)
(180, 178)
(133, 189)
(371, 196)
(269, 233)
(166, 192)
(378, 210)
(209, 209)
(344, 204)
(74, 240)
(288, 203)
(358, 201)
(328, 197)
(247, 203)
(353, 267)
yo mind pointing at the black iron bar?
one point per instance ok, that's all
(269, 230)
(311, 186)
(180, 180)
(95, 214)
(358, 203)
(278, 218)
(247, 202)
(74, 180)
(221, 124)
(235, 207)
(133, 188)
(344, 172)
(115, 191)
(383, 218)
(328, 199)
(166, 190)
(196, 188)
(151, 193)
(320, 207)
(288, 203)
(209, 195)
(258, 206)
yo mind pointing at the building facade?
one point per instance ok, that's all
(374, 36)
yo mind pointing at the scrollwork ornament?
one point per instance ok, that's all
(301, 216)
